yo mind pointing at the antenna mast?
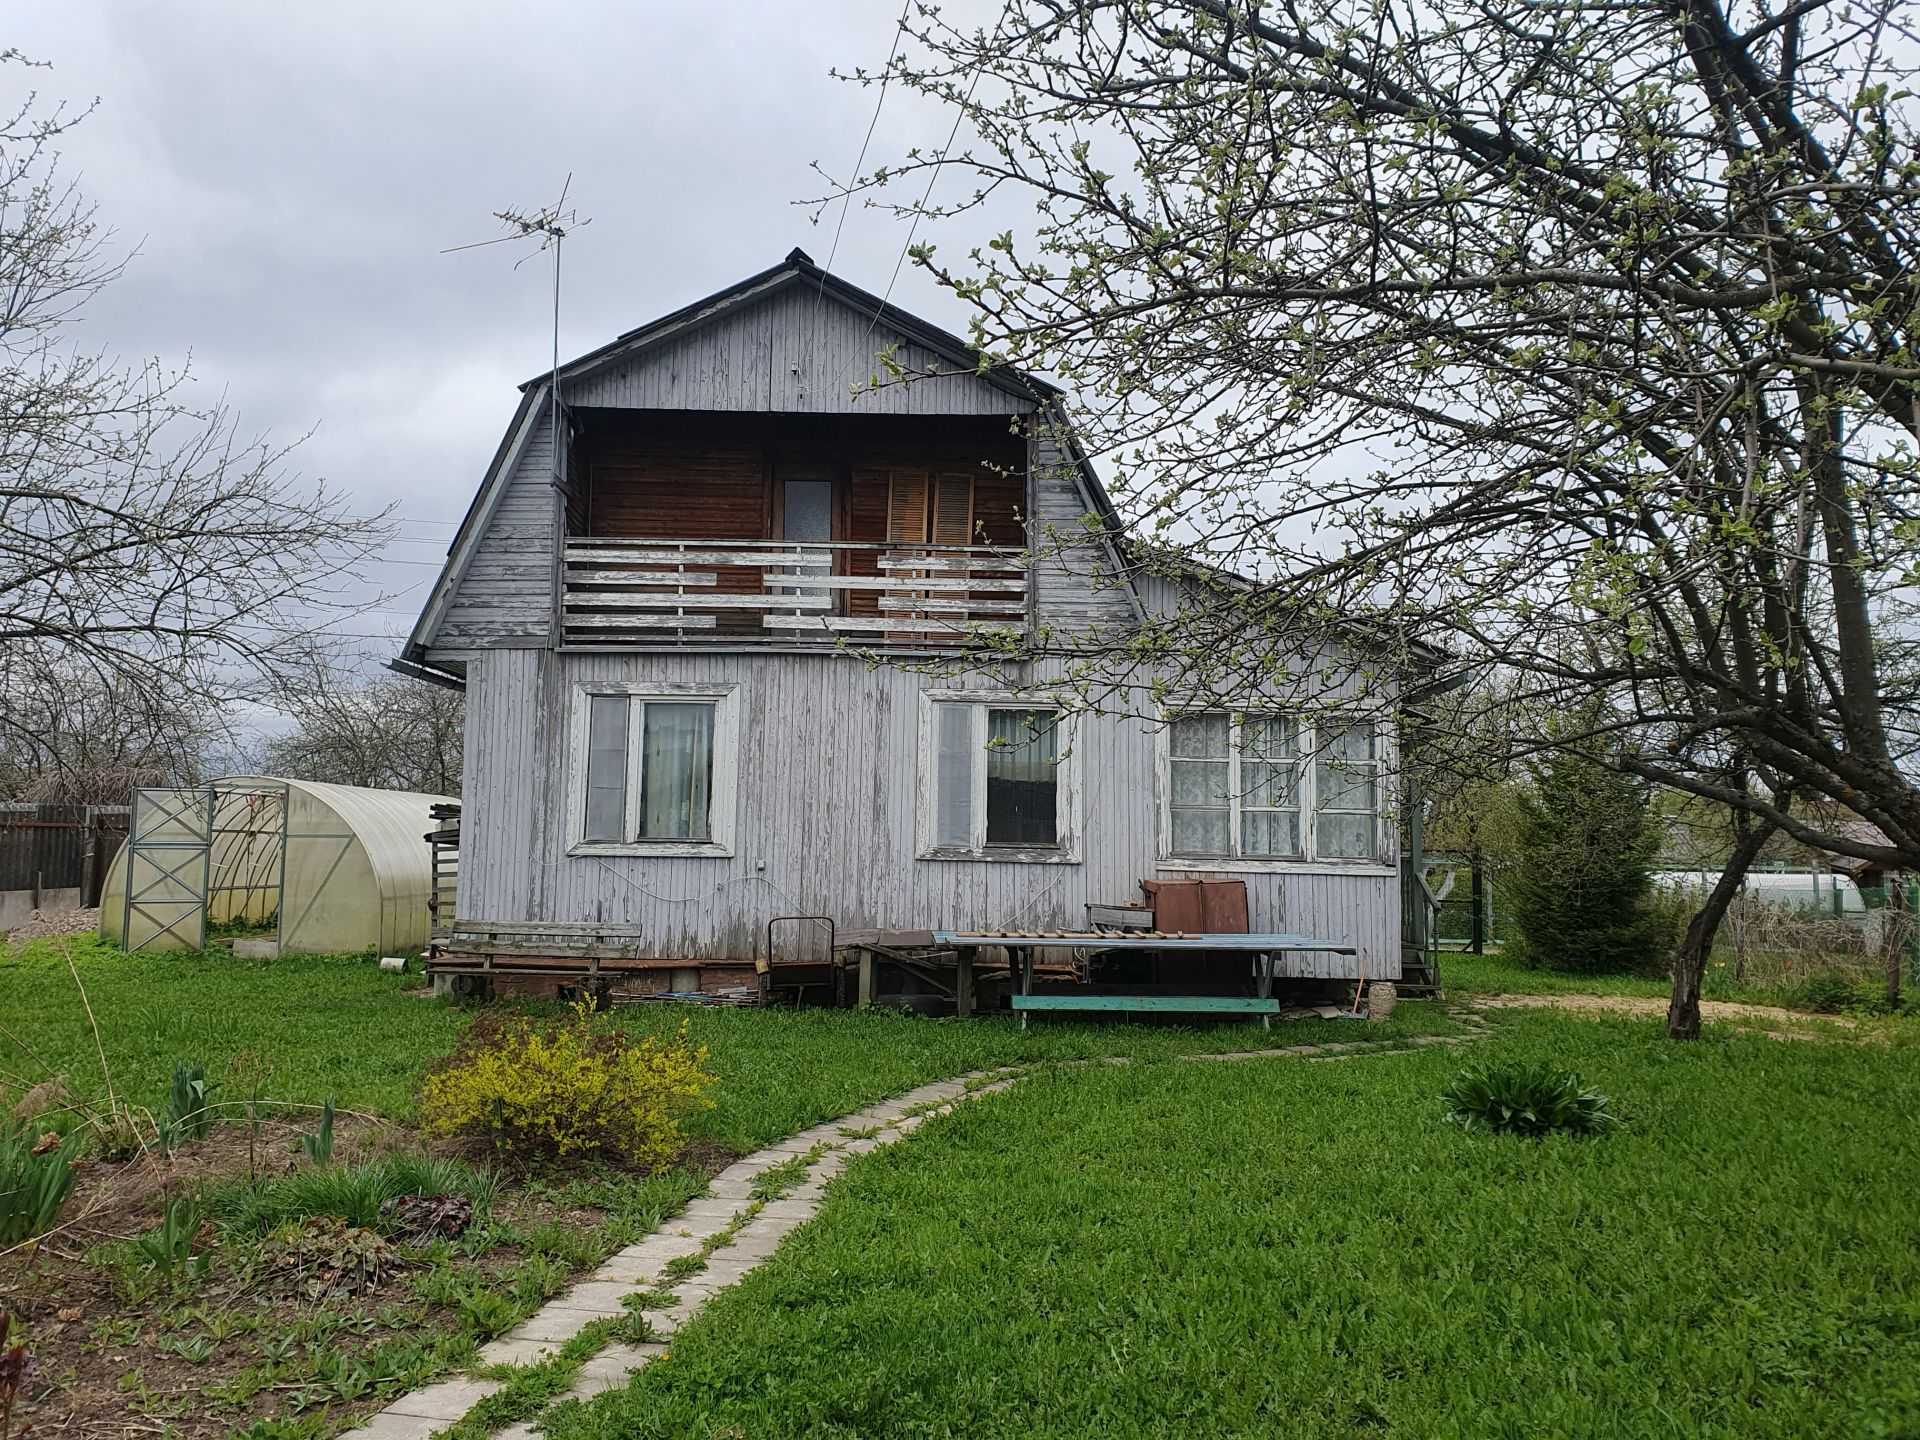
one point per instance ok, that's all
(548, 225)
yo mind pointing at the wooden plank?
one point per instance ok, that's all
(640, 622)
(773, 555)
(978, 608)
(1196, 1004)
(641, 577)
(879, 624)
(1092, 940)
(980, 560)
(699, 604)
(895, 584)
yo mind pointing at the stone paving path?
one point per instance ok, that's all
(737, 1232)
(757, 1229)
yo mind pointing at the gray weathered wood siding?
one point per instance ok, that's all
(826, 795)
(1077, 586)
(793, 352)
(505, 594)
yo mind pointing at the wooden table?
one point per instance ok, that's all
(1264, 948)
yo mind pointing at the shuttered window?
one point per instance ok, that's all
(923, 509)
(907, 507)
(952, 510)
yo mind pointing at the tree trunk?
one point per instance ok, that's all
(1899, 930)
(1696, 946)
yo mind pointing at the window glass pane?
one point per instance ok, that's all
(1201, 736)
(953, 776)
(606, 816)
(1268, 737)
(1269, 786)
(1200, 832)
(1348, 742)
(676, 772)
(1345, 769)
(1344, 837)
(1023, 778)
(1200, 782)
(1270, 832)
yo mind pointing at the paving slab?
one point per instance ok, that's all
(417, 1416)
(445, 1402)
(511, 1350)
(556, 1323)
(603, 1297)
(389, 1426)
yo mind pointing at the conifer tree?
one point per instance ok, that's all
(1584, 876)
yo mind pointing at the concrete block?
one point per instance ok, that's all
(389, 1426)
(446, 1401)
(511, 1350)
(555, 1324)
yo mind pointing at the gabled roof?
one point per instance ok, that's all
(796, 270)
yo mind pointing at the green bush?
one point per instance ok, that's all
(1825, 993)
(33, 1186)
(567, 1087)
(1582, 886)
(1532, 1098)
(353, 1193)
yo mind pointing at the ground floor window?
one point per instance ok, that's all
(995, 781)
(1237, 787)
(654, 772)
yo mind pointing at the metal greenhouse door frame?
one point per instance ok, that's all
(169, 853)
(249, 850)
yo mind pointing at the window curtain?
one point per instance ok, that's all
(676, 772)
(953, 777)
(1023, 778)
(1348, 793)
(606, 818)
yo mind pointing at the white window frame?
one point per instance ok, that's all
(721, 800)
(1067, 795)
(1386, 854)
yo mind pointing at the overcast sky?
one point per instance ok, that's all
(290, 175)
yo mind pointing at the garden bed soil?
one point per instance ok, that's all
(100, 1367)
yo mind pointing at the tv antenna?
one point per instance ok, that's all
(547, 228)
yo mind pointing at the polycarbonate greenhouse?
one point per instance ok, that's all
(319, 868)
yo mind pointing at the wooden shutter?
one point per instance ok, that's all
(907, 508)
(953, 509)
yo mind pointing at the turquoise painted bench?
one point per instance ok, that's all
(1205, 1004)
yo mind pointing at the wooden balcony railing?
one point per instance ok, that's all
(778, 592)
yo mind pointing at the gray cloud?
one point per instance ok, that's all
(290, 175)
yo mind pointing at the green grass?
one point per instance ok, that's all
(1306, 1249)
(1494, 973)
(784, 1070)
(331, 1025)
(353, 1193)
(337, 1026)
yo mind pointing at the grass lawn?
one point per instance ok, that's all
(330, 1025)
(337, 1026)
(1495, 973)
(1306, 1249)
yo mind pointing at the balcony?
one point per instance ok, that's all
(633, 591)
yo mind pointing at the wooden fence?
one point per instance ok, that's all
(59, 847)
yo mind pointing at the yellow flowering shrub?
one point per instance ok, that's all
(567, 1088)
